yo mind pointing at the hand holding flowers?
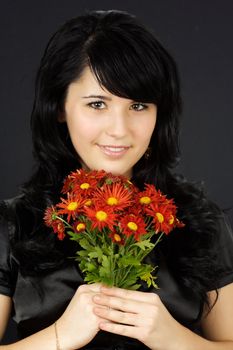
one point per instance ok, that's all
(115, 225)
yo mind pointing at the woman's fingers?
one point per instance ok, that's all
(117, 316)
(95, 287)
(130, 294)
(120, 329)
(125, 311)
(117, 303)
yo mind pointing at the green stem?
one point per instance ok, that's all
(89, 236)
(64, 222)
(159, 239)
(125, 276)
(113, 281)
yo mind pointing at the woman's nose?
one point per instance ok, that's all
(117, 125)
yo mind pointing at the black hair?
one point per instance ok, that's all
(128, 61)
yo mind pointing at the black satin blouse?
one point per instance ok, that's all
(39, 301)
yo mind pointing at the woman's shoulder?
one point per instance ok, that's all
(8, 229)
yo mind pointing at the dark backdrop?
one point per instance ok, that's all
(197, 33)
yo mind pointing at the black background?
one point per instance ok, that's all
(199, 36)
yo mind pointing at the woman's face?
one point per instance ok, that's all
(108, 132)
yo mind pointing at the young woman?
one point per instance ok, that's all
(107, 97)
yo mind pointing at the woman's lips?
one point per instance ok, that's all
(113, 151)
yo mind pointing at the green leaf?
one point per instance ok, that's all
(82, 253)
(90, 266)
(105, 269)
(147, 276)
(86, 245)
(92, 277)
(126, 261)
(134, 286)
(146, 244)
(127, 284)
(96, 253)
(82, 265)
(106, 262)
(74, 236)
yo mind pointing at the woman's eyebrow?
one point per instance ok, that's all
(98, 96)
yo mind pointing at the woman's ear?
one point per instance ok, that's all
(61, 117)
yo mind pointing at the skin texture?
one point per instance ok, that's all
(108, 120)
(144, 317)
(5, 307)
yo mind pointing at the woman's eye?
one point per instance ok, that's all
(139, 106)
(97, 104)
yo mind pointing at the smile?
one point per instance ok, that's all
(113, 151)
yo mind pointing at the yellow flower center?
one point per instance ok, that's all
(80, 227)
(85, 186)
(171, 220)
(101, 215)
(117, 237)
(72, 206)
(160, 217)
(145, 200)
(88, 202)
(132, 226)
(112, 201)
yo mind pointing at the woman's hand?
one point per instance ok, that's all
(78, 325)
(137, 315)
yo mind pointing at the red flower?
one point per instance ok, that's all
(111, 179)
(50, 216)
(133, 225)
(59, 228)
(150, 195)
(179, 223)
(101, 217)
(115, 195)
(79, 226)
(117, 238)
(81, 181)
(71, 206)
(68, 184)
(163, 216)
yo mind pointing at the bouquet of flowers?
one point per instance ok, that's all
(115, 225)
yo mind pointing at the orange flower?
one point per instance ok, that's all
(115, 195)
(163, 216)
(101, 217)
(71, 206)
(133, 225)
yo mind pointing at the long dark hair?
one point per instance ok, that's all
(129, 62)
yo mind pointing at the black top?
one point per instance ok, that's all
(39, 301)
